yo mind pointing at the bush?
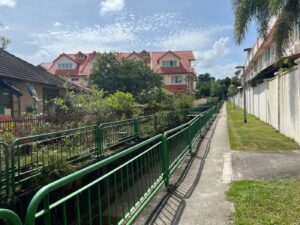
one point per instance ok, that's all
(123, 104)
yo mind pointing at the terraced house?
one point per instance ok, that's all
(25, 87)
(174, 66)
(272, 89)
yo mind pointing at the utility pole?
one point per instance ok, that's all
(244, 91)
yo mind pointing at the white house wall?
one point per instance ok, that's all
(168, 79)
(64, 59)
(276, 102)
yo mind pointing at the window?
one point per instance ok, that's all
(74, 79)
(169, 63)
(297, 33)
(176, 79)
(80, 56)
(268, 54)
(64, 66)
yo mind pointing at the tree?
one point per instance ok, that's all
(4, 41)
(112, 74)
(232, 90)
(203, 85)
(216, 89)
(262, 11)
(205, 78)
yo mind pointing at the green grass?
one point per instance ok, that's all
(254, 135)
(265, 202)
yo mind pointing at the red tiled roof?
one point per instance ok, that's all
(184, 67)
(169, 52)
(84, 69)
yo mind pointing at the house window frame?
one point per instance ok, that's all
(65, 66)
(169, 63)
(268, 54)
(177, 79)
(80, 56)
(75, 79)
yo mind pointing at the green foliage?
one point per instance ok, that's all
(113, 74)
(232, 90)
(205, 78)
(4, 41)
(122, 103)
(285, 64)
(56, 170)
(208, 86)
(216, 89)
(182, 101)
(203, 85)
(262, 11)
(93, 101)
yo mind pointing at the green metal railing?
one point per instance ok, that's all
(4, 165)
(115, 133)
(31, 154)
(27, 156)
(9, 217)
(110, 198)
(113, 190)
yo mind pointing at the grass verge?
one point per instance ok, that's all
(254, 135)
(266, 202)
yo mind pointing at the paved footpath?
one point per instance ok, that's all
(201, 182)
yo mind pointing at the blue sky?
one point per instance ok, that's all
(42, 29)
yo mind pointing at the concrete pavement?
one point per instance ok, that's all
(265, 165)
(197, 195)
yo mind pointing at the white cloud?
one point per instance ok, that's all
(158, 32)
(57, 24)
(126, 33)
(191, 38)
(107, 6)
(214, 60)
(8, 3)
(218, 50)
(220, 70)
(4, 28)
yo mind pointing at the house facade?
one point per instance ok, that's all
(25, 87)
(260, 63)
(271, 90)
(174, 66)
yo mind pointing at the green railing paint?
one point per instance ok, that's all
(9, 217)
(95, 195)
(4, 165)
(31, 154)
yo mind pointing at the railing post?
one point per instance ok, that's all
(190, 138)
(7, 183)
(136, 127)
(155, 123)
(10, 217)
(165, 159)
(99, 140)
(12, 152)
(47, 217)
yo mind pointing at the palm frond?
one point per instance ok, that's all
(287, 12)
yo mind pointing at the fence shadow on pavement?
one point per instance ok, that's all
(170, 208)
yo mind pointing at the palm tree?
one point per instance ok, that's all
(261, 11)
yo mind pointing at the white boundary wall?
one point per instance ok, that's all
(276, 102)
